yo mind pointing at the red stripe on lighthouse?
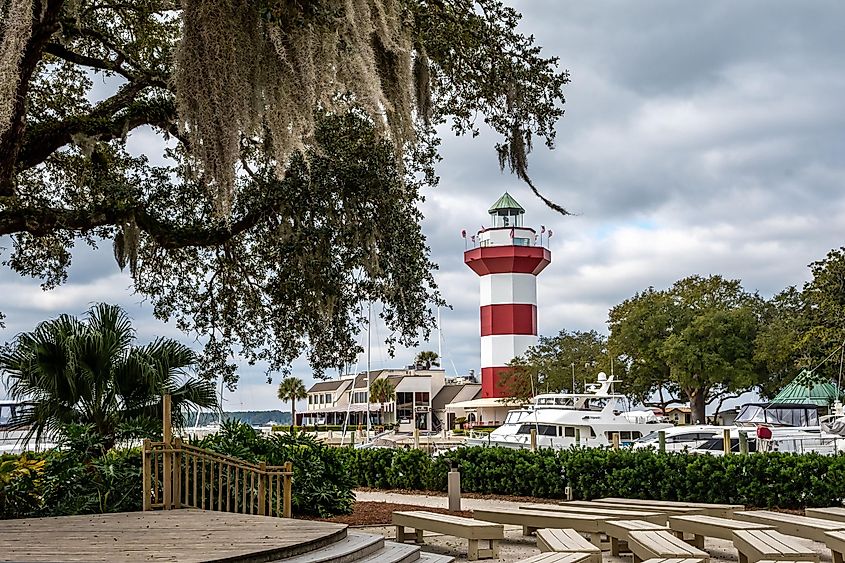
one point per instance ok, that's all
(507, 259)
(511, 318)
(493, 382)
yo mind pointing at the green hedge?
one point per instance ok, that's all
(760, 480)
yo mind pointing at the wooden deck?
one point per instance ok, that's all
(187, 535)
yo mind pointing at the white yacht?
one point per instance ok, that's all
(562, 420)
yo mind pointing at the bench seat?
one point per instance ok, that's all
(655, 507)
(662, 544)
(618, 530)
(721, 510)
(566, 541)
(533, 520)
(791, 524)
(701, 526)
(836, 513)
(468, 528)
(648, 515)
(766, 545)
(551, 557)
(674, 560)
(835, 541)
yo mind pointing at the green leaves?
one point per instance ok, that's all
(73, 371)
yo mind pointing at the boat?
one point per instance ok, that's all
(14, 435)
(563, 420)
(679, 438)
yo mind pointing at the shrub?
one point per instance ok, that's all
(321, 484)
(759, 480)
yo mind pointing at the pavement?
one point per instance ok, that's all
(517, 547)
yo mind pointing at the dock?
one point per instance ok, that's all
(187, 535)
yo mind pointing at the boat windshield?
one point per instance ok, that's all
(517, 416)
(780, 415)
(562, 402)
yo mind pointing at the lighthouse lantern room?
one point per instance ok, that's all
(507, 257)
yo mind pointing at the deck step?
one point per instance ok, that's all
(393, 552)
(354, 547)
(435, 558)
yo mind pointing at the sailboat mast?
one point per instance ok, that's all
(439, 339)
(369, 367)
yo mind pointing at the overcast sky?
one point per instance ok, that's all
(699, 138)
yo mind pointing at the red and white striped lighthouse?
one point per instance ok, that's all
(507, 258)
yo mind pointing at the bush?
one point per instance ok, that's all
(321, 484)
(77, 479)
(759, 480)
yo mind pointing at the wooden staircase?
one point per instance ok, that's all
(366, 548)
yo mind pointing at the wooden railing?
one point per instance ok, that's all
(178, 475)
(182, 475)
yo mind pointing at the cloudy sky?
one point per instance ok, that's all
(699, 138)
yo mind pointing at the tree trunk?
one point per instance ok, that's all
(292, 414)
(697, 405)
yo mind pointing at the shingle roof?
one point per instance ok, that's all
(506, 202)
(323, 386)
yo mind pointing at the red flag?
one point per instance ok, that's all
(464, 233)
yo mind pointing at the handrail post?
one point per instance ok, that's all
(262, 488)
(286, 509)
(167, 436)
(145, 466)
(177, 473)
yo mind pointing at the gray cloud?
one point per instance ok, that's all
(698, 138)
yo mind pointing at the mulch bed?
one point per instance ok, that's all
(378, 513)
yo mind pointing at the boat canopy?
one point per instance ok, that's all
(778, 414)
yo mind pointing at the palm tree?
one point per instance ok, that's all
(427, 358)
(381, 392)
(292, 389)
(72, 371)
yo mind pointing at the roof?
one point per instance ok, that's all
(487, 403)
(506, 202)
(448, 393)
(323, 386)
(805, 390)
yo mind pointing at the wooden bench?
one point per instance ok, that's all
(791, 524)
(566, 541)
(674, 560)
(655, 507)
(533, 520)
(721, 510)
(835, 541)
(618, 530)
(472, 530)
(701, 526)
(662, 544)
(836, 513)
(647, 515)
(551, 557)
(762, 545)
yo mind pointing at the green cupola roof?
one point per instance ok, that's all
(505, 202)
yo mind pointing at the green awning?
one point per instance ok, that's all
(804, 389)
(506, 202)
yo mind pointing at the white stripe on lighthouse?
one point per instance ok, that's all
(499, 289)
(499, 349)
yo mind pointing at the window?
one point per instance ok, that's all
(359, 397)
(542, 429)
(421, 398)
(328, 398)
(569, 431)
(310, 399)
(321, 399)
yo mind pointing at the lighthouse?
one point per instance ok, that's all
(507, 258)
